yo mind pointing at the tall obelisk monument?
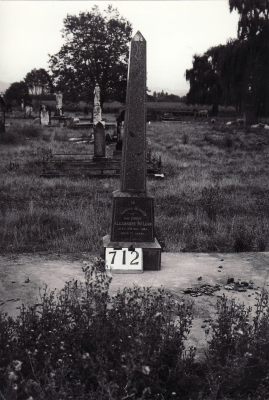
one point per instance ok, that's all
(133, 208)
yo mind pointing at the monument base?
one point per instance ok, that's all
(151, 254)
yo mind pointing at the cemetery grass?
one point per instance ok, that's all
(213, 197)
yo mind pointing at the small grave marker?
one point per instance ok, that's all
(28, 110)
(44, 115)
(59, 104)
(97, 113)
(99, 142)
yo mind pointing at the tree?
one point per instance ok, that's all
(17, 92)
(236, 73)
(38, 81)
(204, 78)
(253, 50)
(96, 51)
(254, 17)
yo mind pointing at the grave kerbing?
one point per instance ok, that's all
(133, 208)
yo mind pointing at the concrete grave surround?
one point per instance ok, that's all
(133, 208)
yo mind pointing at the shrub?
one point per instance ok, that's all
(29, 131)
(35, 226)
(61, 135)
(228, 141)
(243, 240)
(211, 201)
(81, 343)
(185, 138)
(238, 356)
(10, 138)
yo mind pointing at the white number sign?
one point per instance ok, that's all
(124, 259)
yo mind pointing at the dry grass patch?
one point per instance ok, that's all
(213, 198)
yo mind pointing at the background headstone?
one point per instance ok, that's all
(97, 112)
(44, 115)
(59, 104)
(99, 142)
(28, 110)
(2, 114)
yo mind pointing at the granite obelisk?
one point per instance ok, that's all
(133, 208)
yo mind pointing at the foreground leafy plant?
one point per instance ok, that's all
(82, 343)
(237, 361)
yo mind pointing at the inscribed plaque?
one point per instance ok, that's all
(133, 219)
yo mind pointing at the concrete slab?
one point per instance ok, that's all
(22, 275)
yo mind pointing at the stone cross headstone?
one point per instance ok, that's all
(59, 104)
(44, 115)
(99, 142)
(97, 114)
(133, 208)
(2, 114)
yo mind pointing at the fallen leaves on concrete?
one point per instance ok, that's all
(206, 289)
(209, 290)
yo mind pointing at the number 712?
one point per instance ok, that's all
(124, 258)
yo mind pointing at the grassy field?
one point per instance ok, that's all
(214, 196)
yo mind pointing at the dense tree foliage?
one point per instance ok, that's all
(38, 79)
(253, 17)
(95, 51)
(17, 92)
(236, 73)
(204, 79)
(252, 53)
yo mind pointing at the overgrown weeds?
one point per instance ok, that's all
(81, 343)
(237, 359)
(29, 131)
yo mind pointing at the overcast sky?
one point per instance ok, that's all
(174, 31)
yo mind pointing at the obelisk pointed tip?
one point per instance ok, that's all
(138, 37)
